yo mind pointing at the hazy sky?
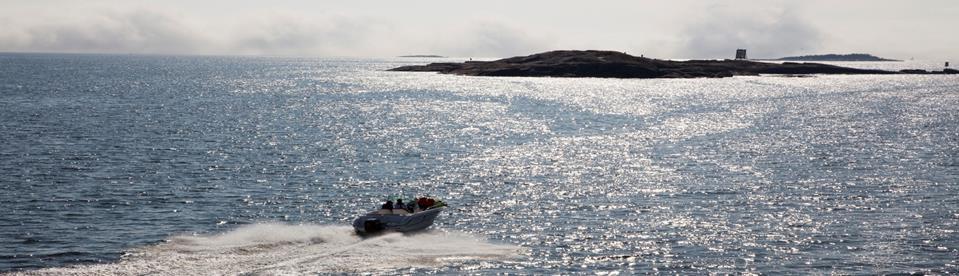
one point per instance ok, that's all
(490, 28)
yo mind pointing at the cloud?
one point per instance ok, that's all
(150, 32)
(288, 34)
(270, 33)
(492, 39)
(134, 32)
(765, 33)
(666, 29)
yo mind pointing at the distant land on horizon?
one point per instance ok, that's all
(611, 64)
(836, 57)
(422, 56)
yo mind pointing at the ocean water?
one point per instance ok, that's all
(114, 164)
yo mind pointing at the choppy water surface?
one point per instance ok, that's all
(225, 165)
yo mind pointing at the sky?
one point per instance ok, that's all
(490, 28)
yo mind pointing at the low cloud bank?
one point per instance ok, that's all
(148, 32)
(134, 32)
(765, 33)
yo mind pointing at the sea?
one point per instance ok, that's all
(226, 165)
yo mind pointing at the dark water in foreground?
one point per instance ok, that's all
(224, 165)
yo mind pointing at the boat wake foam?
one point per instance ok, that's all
(296, 249)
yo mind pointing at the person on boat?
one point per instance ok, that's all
(399, 204)
(388, 205)
(411, 207)
(422, 203)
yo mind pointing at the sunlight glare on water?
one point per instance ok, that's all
(171, 165)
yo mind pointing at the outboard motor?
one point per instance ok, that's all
(372, 226)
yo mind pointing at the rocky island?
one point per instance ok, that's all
(610, 64)
(835, 57)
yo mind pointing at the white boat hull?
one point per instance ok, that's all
(374, 222)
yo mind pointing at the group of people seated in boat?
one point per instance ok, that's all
(400, 208)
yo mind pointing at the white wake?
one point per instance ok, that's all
(294, 249)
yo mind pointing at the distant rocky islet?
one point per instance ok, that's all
(836, 57)
(612, 64)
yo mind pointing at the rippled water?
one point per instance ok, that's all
(178, 165)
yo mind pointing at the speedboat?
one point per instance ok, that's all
(397, 220)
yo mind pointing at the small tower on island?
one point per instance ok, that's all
(741, 54)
